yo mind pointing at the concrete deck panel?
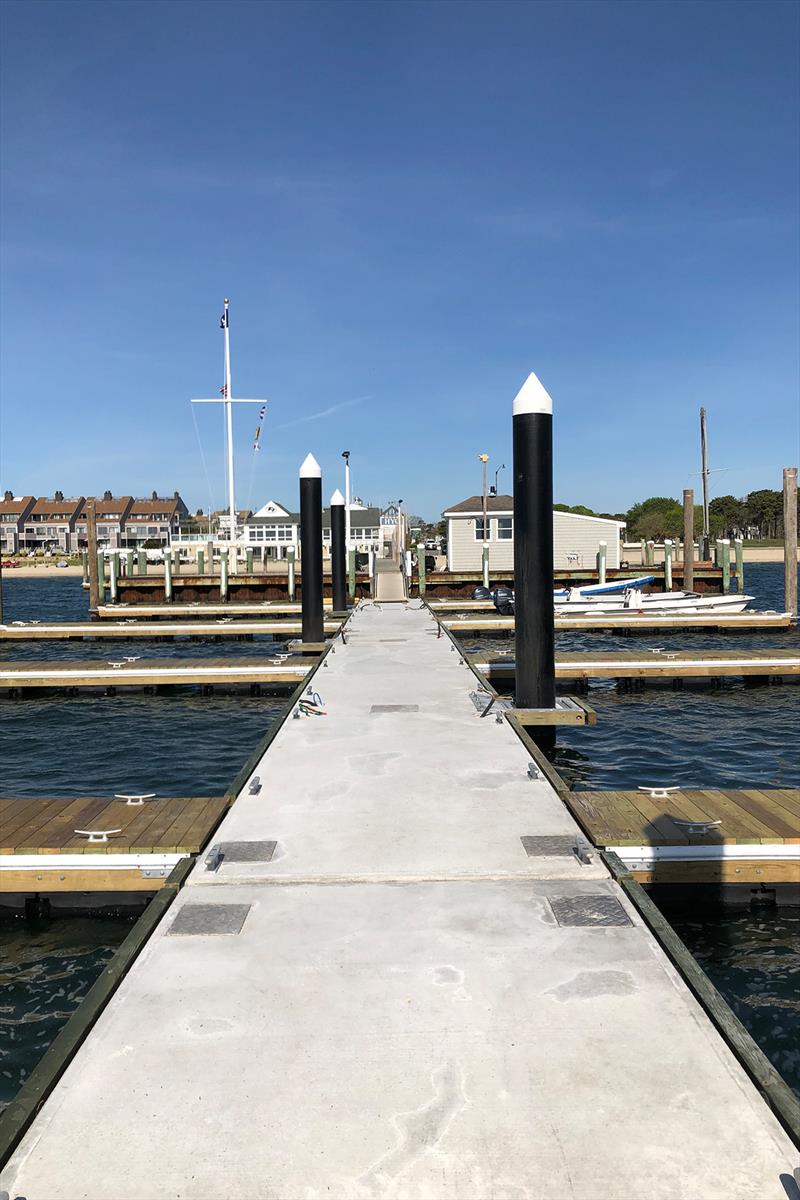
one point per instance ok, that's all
(407, 1039)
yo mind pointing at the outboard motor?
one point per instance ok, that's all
(504, 601)
(482, 593)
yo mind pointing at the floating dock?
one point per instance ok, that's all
(222, 627)
(746, 622)
(110, 844)
(199, 609)
(705, 835)
(655, 665)
(393, 976)
(276, 673)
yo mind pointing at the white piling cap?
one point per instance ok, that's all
(310, 468)
(532, 398)
(337, 498)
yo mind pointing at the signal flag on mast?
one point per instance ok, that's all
(261, 412)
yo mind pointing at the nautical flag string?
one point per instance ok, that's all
(261, 412)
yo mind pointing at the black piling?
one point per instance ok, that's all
(311, 549)
(338, 553)
(533, 553)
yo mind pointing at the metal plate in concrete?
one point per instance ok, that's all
(388, 708)
(550, 846)
(588, 910)
(204, 919)
(382, 640)
(246, 852)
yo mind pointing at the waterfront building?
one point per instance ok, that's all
(13, 513)
(157, 519)
(575, 537)
(50, 523)
(111, 512)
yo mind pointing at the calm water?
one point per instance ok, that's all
(175, 744)
(186, 744)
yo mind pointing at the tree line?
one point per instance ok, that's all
(756, 515)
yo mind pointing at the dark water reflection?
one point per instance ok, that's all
(46, 968)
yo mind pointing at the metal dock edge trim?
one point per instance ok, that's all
(254, 758)
(777, 1093)
(18, 1116)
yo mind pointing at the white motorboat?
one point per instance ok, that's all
(636, 601)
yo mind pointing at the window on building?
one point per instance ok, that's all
(479, 531)
(505, 529)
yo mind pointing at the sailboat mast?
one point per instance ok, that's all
(229, 422)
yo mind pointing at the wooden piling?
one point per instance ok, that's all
(249, 560)
(113, 566)
(290, 569)
(168, 577)
(724, 549)
(141, 562)
(485, 565)
(790, 539)
(651, 553)
(602, 553)
(223, 573)
(738, 546)
(688, 539)
(421, 567)
(91, 541)
(351, 574)
(667, 565)
(201, 563)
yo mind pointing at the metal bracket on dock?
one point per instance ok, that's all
(96, 835)
(658, 793)
(533, 771)
(134, 799)
(254, 786)
(582, 851)
(214, 858)
(695, 826)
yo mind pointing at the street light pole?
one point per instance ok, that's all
(484, 458)
(502, 467)
(346, 457)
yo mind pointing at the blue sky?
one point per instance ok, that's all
(411, 206)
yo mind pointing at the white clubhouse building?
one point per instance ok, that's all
(575, 538)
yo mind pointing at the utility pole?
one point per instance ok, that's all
(790, 539)
(705, 549)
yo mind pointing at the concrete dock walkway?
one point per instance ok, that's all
(397, 1000)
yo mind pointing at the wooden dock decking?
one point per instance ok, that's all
(42, 850)
(222, 627)
(691, 835)
(153, 672)
(661, 664)
(745, 622)
(200, 608)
